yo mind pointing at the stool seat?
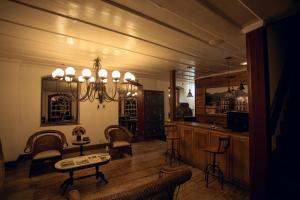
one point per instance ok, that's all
(213, 149)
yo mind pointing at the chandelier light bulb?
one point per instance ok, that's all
(127, 76)
(116, 74)
(54, 74)
(59, 73)
(132, 77)
(81, 79)
(104, 80)
(70, 71)
(68, 79)
(92, 79)
(86, 73)
(102, 73)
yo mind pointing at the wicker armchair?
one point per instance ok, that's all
(45, 145)
(161, 188)
(119, 138)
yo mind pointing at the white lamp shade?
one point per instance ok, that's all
(132, 77)
(127, 76)
(59, 73)
(102, 73)
(70, 71)
(54, 74)
(92, 79)
(81, 79)
(86, 73)
(68, 79)
(116, 74)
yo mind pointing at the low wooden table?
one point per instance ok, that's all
(81, 143)
(81, 162)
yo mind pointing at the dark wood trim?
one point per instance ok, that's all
(141, 113)
(173, 95)
(260, 147)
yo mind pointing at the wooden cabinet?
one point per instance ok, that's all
(186, 139)
(200, 140)
(234, 164)
(239, 170)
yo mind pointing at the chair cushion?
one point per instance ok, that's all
(120, 144)
(47, 154)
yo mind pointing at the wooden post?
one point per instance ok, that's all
(173, 95)
(260, 142)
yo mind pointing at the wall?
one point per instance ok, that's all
(21, 104)
(215, 81)
(20, 107)
(183, 94)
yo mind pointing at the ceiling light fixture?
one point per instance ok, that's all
(189, 93)
(93, 84)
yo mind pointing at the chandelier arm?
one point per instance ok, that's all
(85, 96)
(74, 97)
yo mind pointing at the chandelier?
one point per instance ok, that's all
(92, 84)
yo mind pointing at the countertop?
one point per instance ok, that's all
(209, 126)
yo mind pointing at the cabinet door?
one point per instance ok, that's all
(200, 140)
(239, 170)
(186, 140)
(221, 159)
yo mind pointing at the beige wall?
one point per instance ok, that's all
(20, 107)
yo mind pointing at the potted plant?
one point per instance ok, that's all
(78, 131)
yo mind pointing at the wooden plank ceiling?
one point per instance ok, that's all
(148, 37)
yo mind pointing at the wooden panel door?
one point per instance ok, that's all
(239, 169)
(221, 159)
(186, 141)
(200, 140)
(153, 113)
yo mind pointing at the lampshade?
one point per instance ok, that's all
(102, 73)
(68, 79)
(59, 73)
(70, 71)
(80, 79)
(92, 79)
(127, 76)
(189, 94)
(116, 74)
(86, 73)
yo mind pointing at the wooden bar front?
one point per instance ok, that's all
(234, 164)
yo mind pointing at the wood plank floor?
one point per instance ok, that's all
(122, 174)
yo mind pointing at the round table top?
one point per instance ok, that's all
(80, 142)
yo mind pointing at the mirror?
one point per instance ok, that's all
(58, 108)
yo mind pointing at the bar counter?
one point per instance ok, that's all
(234, 163)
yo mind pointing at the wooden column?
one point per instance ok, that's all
(173, 95)
(260, 150)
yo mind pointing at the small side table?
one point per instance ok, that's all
(81, 143)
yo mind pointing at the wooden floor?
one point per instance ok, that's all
(122, 174)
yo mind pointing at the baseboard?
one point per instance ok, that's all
(23, 157)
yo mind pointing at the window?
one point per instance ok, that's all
(58, 108)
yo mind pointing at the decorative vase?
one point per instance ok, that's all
(78, 137)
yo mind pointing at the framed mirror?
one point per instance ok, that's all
(58, 108)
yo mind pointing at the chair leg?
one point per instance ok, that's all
(30, 169)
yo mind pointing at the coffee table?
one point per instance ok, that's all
(70, 165)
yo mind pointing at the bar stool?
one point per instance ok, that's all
(173, 140)
(214, 168)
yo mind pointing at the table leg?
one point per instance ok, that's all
(99, 174)
(67, 183)
(81, 150)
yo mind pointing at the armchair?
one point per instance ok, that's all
(45, 145)
(119, 138)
